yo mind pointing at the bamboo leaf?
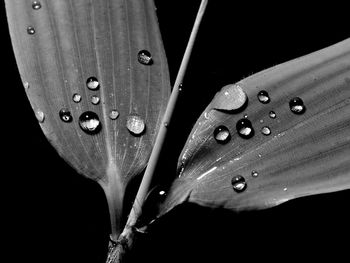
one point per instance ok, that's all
(285, 135)
(96, 75)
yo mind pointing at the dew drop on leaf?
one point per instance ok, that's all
(245, 129)
(26, 85)
(95, 100)
(265, 130)
(65, 115)
(113, 114)
(144, 57)
(135, 124)
(297, 106)
(263, 97)
(222, 134)
(231, 98)
(238, 183)
(89, 122)
(36, 5)
(76, 97)
(40, 116)
(92, 83)
(272, 114)
(30, 30)
(255, 173)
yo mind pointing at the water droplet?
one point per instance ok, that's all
(222, 134)
(113, 114)
(135, 124)
(89, 122)
(272, 114)
(95, 100)
(92, 83)
(26, 85)
(166, 124)
(285, 189)
(181, 169)
(144, 57)
(65, 115)
(255, 173)
(40, 116)
(245, 116)
(297, 106)
(265, 130)
(30, 30)
(162, 193)
(76, 97)
(36, 5)
(231, 98)
(239, 184)
(245, 129)
(263, 97)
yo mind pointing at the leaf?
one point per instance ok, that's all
(289, 138)
(80, 59)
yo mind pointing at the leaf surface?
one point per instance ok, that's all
(287, 152)
(62, 45)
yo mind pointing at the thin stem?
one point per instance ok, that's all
(147, 178)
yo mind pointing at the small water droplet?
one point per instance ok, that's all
(113, 114)
(135, 124)
(285, 189)
(261, 121)
(245, 116)
(26, 85)
(89, 122)
(30, 30)
(245, 129)
(222, 134)
(265, 130)
(297, 106)
(145, 57)
(180, 87)
(40, 116)
(92, 83)
(162, 193)
(36, 5)
(166, 124)
(239, 184)
(272, 114)
(255, 173)
(263, 97)
(76, 97)
(95, 100)
(65, 115)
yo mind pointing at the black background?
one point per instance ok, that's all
(54, 215)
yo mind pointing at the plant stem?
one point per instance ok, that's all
(126, 238)
(147, 178)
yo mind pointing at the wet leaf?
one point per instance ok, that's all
(292, 139)
(80, 65)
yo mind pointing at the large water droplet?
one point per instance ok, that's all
(255, 173)
(135, 124)
(263, 97)
(76, 97)
(30, 30)
(36, 5)
(145, 57)
(113, 114)
(265, 130)
(239, 184)
(245, 129)
(40, 116)
(222, 134)
(272, 114)
(89, 122)
(65, 115)
(92, 83)
(231, 98)
(95, 100)
(297, 106)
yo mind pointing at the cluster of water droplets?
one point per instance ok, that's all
(245, 130)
